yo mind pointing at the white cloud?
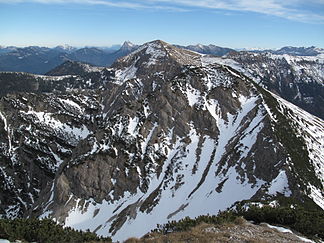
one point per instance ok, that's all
(289, 9)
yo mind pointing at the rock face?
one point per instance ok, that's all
(164, 133)
(37, 133)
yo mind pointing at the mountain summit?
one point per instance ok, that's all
(128, 46)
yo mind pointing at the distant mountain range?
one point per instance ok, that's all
(296, 51)
(6, 49)
(209, 49)
(40, 60)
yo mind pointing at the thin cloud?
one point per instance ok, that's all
(110, 3)
(288, 9)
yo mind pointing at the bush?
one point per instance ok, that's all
(187, 223)
(305, 221)
(45, 231)
(309, 222)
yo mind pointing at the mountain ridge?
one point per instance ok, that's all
(25, 59)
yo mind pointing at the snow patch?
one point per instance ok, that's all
(155, 51)
(47, 119)
(125, 74)
(280, 185)
(284, 230)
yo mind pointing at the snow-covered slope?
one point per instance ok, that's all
(187, 178)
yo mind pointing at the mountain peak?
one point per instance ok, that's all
(200, 46)
(157, 52)
(127, 46)
(160, 44)
(209, 49)
(65, 48)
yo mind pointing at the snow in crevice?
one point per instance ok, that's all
(8, 182)
(280, 185)
(132, 126)
(57, 159)
(125, 74)
(7, 129)
(48, 119)
(250, 135)
(148, 138)
(267, 108)
(3, 118)
(72, 104)
(193, 95)
(51, 196)
(229, 129)
(146, 108)
(232, 73)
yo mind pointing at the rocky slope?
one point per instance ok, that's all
(297, 79)
(74, 68)
(162, 134)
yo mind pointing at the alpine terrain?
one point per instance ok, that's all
(162, 134)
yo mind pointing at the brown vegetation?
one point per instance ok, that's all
(241, 231)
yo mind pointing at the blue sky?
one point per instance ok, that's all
(230, 23)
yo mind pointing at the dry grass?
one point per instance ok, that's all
(239, 221)
(256, 241)
(238, 232)
(133, 240)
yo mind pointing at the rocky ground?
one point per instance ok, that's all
(241, 231)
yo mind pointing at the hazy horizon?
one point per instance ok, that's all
(268, 24)
(118, 45)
